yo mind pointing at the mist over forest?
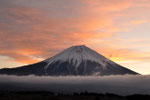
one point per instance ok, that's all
(118, 84)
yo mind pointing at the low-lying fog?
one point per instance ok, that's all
(124, 85)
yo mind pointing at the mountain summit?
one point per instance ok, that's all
(76, 56)
(76, 60)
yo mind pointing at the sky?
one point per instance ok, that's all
(33, 30)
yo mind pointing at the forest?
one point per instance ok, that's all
(41, 95)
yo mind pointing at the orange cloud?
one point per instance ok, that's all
(108, 6)
(35, 35)
(30, 33)
(119, 55)
(139, 22)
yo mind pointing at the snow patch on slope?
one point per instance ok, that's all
(77, 55)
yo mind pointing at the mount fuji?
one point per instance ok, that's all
(76, 60)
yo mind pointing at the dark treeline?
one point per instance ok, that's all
(40, 95)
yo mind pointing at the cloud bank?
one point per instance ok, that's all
(123, 85)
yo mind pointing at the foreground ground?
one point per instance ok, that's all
(76, 96)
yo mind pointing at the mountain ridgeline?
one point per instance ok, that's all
(74, 61)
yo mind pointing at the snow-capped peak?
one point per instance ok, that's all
(77, 54)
